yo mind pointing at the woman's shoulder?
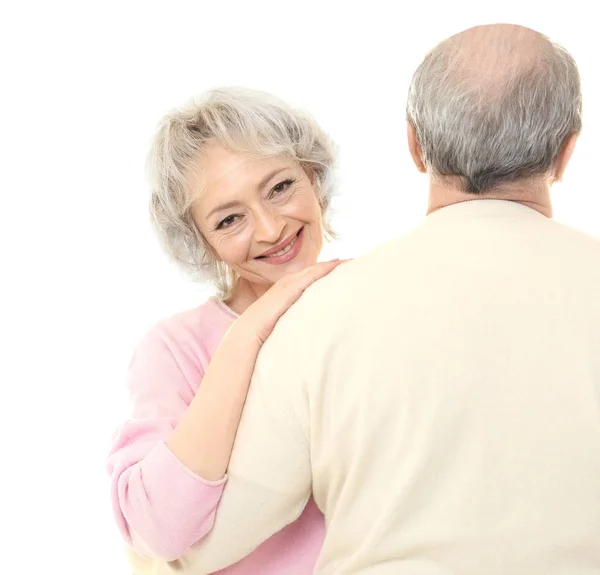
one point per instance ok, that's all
(212, 314)
(199, 328)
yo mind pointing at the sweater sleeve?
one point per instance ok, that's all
(270, 476)
(161, 507)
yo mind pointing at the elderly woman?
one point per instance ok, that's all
(240, 189)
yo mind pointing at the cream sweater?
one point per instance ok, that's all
(440, 396)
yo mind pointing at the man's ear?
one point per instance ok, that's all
(415, 148)
(565, 155)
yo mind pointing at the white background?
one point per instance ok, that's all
(82, 88)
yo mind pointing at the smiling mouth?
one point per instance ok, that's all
(284, 250)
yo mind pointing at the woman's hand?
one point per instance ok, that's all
(260, 318)
(203, 438)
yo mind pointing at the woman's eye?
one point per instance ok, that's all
(226, 222)
(282, 186)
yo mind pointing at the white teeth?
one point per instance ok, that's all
(284, 250)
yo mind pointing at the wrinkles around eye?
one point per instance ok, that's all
(228, 222)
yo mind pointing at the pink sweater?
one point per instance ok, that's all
(161, 507)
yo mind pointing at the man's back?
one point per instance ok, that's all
(453, 398)
(441, 399)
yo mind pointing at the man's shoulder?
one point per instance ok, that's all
(576, 235)
(574, 249)
(348, 289)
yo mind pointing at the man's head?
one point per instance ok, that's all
(494, 108)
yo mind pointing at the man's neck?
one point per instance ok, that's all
(536, 197)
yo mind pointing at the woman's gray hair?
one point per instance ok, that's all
(509, 127)
(241, 120)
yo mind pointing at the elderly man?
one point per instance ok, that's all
(440, 396)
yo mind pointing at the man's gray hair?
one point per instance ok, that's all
(498, 123)
(241, 120)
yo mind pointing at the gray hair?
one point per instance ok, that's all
(240, 120)
(497, 128)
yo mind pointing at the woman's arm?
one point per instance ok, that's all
(168, 469)
(204, 437)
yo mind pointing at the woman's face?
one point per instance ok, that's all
(260, 215)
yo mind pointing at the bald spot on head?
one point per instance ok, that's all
(487, 57)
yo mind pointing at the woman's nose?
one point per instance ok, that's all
(268, 226)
